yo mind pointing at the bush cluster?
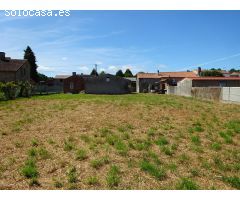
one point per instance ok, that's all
(12, 90)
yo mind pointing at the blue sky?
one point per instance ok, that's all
(139, 40)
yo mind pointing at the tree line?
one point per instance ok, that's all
(119, 73)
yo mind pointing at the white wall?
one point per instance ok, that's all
(231, 94)
(183, 88)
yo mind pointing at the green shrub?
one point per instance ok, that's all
(25, 89)
(11, 90)
(187, 184)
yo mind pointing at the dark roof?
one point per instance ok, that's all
(11, 65)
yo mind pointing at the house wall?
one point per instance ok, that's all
(143, 84)
(76, 82)
(216, 83)
(23, 74)
(7, 76)
(107, 85)
(183, 88)
(231, 94)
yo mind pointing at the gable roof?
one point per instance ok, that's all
(11, 65)
(61, 76)
(167, 74)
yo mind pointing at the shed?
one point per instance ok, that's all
(73, 84)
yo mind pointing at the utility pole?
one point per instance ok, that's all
(96, 67)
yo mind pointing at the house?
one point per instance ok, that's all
(73, 84)
(133, 83)
(107, 84)
(13, 69)
(215, 81)
(103, 84)
(150, 82)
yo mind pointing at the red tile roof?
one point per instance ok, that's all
(11, 65)
(167, 74)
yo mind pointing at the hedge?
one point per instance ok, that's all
(12, 90)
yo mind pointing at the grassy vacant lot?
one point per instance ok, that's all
(140, 141)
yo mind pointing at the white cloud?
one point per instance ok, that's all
(84, 69)
(46, 69)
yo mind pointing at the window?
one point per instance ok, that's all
(71, 85)
(108, 79)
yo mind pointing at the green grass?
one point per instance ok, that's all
(162, 141)
(234, 125)
(43, 153)
(113, 176)
(187, 184)
(226, 136)
(98, 163)
(29, 170)
(155, 171)
(233, 181)
(92, 180)
(196, 140)
(72, 175)
(32, 152)
(81, 154)
(121, 147)
(68, 145)
(34, 142)
(216, 146)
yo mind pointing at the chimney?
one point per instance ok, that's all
(2, 55)
(74, 73)
(158, 72)
(199, 71)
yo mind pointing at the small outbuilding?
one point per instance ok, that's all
(73, 84)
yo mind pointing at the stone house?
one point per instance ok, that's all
(13, 69)
(103, 84)
(147, 82)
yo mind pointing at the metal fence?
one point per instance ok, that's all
(46, 89)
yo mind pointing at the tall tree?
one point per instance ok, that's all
(94, 73)
(120, 73)
(211, 73)
(128, 73)
(30, 56)
(102, 73)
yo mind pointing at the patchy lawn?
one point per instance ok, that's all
(138, 141)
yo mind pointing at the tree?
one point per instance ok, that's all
(234, 70)
(128, 73)
(102, 73)
(30, 56)
(120, 73)
(211, 73)
(94, 72)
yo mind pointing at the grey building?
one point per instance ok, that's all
(106, 84)
(13, 69)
